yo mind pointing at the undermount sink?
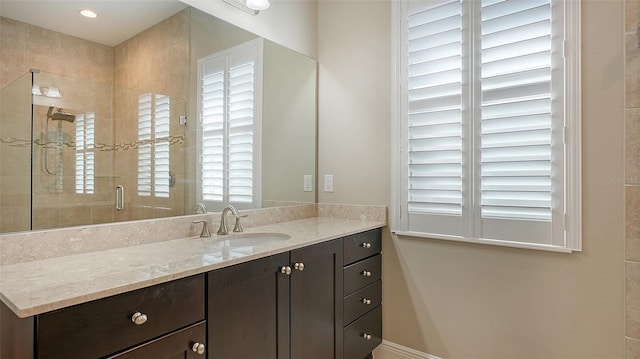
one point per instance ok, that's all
(251, 239)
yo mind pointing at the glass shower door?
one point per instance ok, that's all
(15, 155)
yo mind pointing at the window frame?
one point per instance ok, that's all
(572, 134)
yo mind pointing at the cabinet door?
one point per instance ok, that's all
(178, 345)
(248, 310)
(316, 301)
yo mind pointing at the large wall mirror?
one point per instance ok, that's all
(147, 116)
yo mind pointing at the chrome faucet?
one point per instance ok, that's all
(199, 207)
(205, 229)
(224, 229)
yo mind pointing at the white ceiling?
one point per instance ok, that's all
(117, 20)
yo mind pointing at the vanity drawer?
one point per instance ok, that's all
(179, 344)
(362, 273)
(104, 326)
(362, 301)
(363, 335)
(362, 245)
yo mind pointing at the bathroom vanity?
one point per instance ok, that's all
(317, 297)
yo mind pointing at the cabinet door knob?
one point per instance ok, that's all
(366, 273)
(285, 270)
(366, 301)
(366, 336)
(198, 348)
(366, 245)
(299, 266)
(139, 318)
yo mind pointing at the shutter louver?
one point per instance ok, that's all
(516, 110)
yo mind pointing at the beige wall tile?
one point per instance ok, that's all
(632, 348)
(632, 146)
(632, 70)
(632, 9)
(14, 218)
(12, 28)
(102, 55)
(632, 299)
(632, 219)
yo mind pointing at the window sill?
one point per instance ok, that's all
(493, 242)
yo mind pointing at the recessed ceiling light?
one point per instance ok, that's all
(88, 13)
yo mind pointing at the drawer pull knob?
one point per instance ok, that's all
(198, 348)
(299, 266)
(366, 336)
(366, 301)
(139, 318)
(366, 245)
(285, 270)
(366, 273)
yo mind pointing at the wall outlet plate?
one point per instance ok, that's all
(308, 185)
(328, 183)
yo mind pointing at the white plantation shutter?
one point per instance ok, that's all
(80, 135)
(435, 130)
(230, 126)
(154, 112)
(516, 116)
(240, 122)
(212, 138)
(484, 120)
(144, 149)
(161, 156)
(85, 155)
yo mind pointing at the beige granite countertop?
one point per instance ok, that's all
(39, 286)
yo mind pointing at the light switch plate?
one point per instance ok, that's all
(308, 186)
(328, 183)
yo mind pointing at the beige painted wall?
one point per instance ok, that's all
(291, 23)
(458, 300)
(288, 125)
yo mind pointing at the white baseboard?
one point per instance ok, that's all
(390, 350)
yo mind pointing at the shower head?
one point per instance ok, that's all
(60, 115)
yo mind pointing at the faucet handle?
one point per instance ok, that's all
(238, 226)
(205, 229)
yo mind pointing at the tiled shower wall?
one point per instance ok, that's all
(155, 62)
(22, 47)
(632, 179)
(108, 81)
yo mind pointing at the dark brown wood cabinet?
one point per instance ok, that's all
(317, 302)
(170, 319)
(362, 294)
(316, 306)
(284, 306)
(248, 310)
(100, 328)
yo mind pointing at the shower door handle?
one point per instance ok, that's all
(119, 197)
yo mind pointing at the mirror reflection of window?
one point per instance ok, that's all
(85, 153)
(153, 145)
(230, 91)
